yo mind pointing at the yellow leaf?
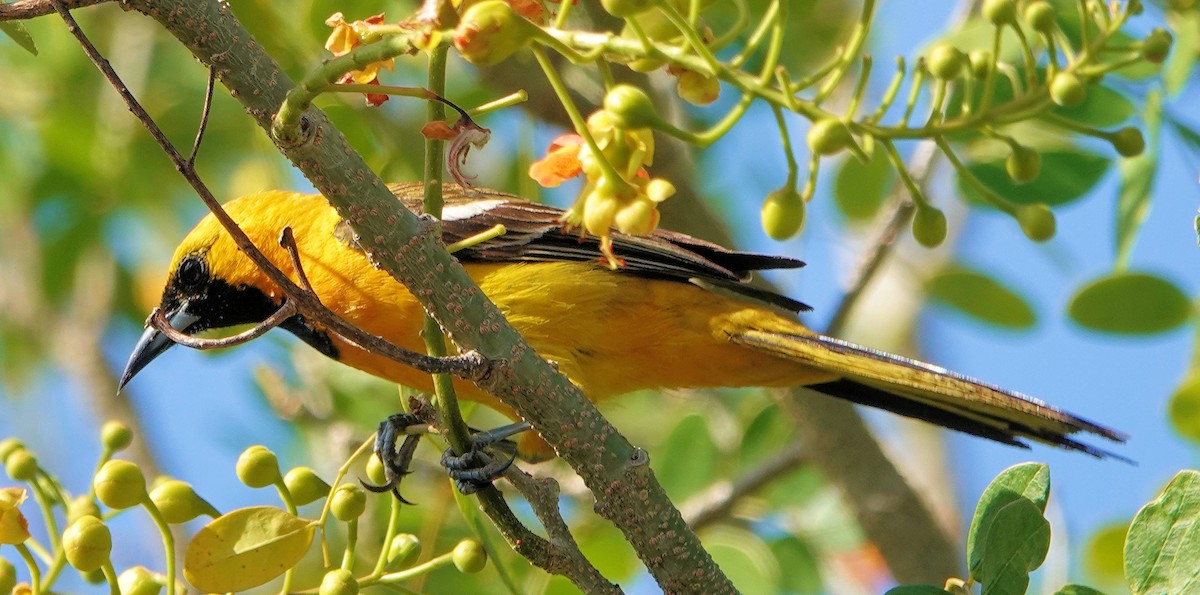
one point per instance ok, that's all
(246, 548)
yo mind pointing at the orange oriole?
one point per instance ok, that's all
(655, 323)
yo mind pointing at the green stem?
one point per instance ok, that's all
(393, 527)
(690, 35)
(351, 546)
(577, 120)
(35, 574)
(445, 559)
(964, 173)
(364, 448)
(168, 540)
(847, 56)
(110, 577)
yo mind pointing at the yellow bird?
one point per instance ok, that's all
(678, 314)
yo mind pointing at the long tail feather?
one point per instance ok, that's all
(930, 393)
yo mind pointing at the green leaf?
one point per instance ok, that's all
(860, 188)
(1184, 408)
(1029, 481)
(1102, 108)
(803, 574)
(1103, 555)
(1015, 545)
(1077, 590)
(689, 457)
(1178, 70)
(1130, 303)
(1065, 176)
(246, 548)
(981, 297)
(744, 558)
(917, 590)
(1162, 551)
(1137, 180)
(19, 34)
(764, 436)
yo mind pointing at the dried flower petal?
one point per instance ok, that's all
(561, 162)
(14, 528)
(469, 135)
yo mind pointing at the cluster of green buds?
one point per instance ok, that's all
(86, 542)
(271, 540)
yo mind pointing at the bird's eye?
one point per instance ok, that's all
(191, 273)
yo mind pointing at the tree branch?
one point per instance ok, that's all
(617, 473)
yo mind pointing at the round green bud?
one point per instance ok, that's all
(1040, 15)
(631, 107)
(94, 577)
(177, 501)
(87, 543)
(696, 88)
(349, 502)
(981, 63)
(257, 467)
(646, 64)
(626, 8)
(946, 61)
(403, 552)
(469, 556)
(1157, 45)
(338, 582)
(1128, 141)
(21, 465)
(1037, 221)
(115, 436)
(1023, 164)
(929, 226)
(828, 136)
(490, 31)
(80, 507)
(139, 581)
(9, 446)
(376, 474)
(1000, 12)
(783, 213)
(8, 576)
(306, 487)
(120, 485)
(1067, 90)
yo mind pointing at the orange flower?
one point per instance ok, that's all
(345, 37)
(561, 162)
(14, 529)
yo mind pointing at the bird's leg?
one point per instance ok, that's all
(396, 460)
(476, 469)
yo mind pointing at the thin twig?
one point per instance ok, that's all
(204, 113)
(716, 502)
(27, 9)
(158, 320)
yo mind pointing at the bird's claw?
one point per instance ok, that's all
(395, 461)
(476, 469)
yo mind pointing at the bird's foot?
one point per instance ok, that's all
(476, 469)
(395, 460)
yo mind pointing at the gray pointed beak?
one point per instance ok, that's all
(153, 344)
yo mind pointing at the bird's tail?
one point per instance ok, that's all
(930, 393)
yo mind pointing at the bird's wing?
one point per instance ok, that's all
(535, 233)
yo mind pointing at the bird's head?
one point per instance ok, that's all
(213, 285)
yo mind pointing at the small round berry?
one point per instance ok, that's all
(338, 582)
(21, 465)
(1023, 164)
(306, 487)
(1037, 221)
(491, 31)
(1040, 15)
(115, 436)
(1128, 141)
(631, 107)
(349, 502)
(469, 556)
(139, 581)
(1000, 12)
(829, 136)
(1067, 90)
(8, 576)
(404, 551)
(257, 467)
(87, 543)
(1156, 46)
(120, 484)
(9, 446)
(981, 63)
(177, 501)
(80, 507)
(929, 226)
(783, 213)
(946, 62)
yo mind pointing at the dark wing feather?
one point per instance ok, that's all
(535, 234)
